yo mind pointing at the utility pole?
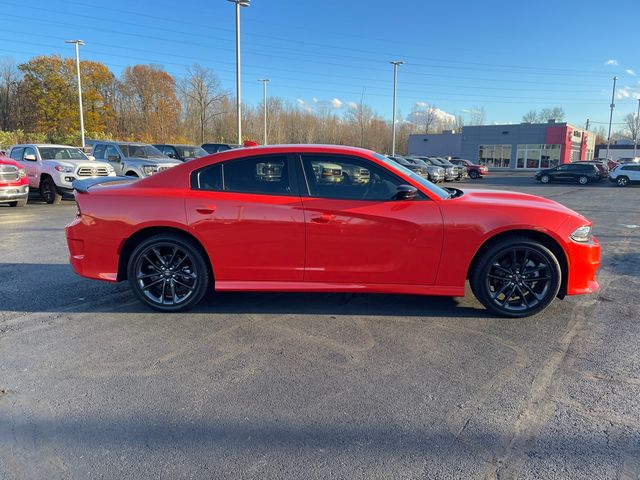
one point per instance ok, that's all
(637, 131)
(587, 125)
(264, 105)
(77, 44)
(613, 105)
(239, 3)
(393, 120)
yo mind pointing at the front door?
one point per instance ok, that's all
(358, 233)
(249, 216)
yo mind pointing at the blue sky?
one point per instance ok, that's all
(506, 56)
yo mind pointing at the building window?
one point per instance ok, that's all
(538, 156)
(495, 155)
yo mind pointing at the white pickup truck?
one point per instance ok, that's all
(51, 169)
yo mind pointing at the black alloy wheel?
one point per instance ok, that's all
(49, 192)
(583, 180)
(517, 277)
(168, 273)
(474, 174)
(545, 178)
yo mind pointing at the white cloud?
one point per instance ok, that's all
(612, 62)
(336, 103)
(628, 92)
(352, 105)
(300, 102)
(421, 104)
(308, 109)
(440, 116)
(315, 100)
(630, 72)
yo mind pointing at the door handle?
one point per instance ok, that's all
(324, 218)
(206, 209)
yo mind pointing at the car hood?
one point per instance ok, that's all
(502, 198)
(77, 163)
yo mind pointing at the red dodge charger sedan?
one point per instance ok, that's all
(312, 218)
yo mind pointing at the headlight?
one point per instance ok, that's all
(64, 168)
(150, 169)
(110, 169)
(22, 173)
(581, 234)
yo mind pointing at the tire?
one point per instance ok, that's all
(131, 174)
(545, 179)
(516, 289)
(474, 174)
(18, 203)
(49, 191)
(622, 181)
(168, 273)
(582, 180)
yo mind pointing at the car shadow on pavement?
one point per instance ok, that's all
(55, 287)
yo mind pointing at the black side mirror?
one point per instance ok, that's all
(406, 192)
(113, 158)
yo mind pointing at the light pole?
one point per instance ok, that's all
(239, 3)
(77, 44)
(637, 131)
(613, 105)
(393, 119)
(264, 106)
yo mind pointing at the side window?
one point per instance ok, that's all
(263, 175)
(111, 151)
(98, 152)
(563, 168)
(348, 178)
(16, 153)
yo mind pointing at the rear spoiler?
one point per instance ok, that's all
(83, 186)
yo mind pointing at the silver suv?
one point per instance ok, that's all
(133, 159)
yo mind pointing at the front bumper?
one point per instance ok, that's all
(9, 193)
(584, 260)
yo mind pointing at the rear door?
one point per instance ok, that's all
(249, 215)
(357, 232)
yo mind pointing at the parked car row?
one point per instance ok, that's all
(591, 171)
(439, 169)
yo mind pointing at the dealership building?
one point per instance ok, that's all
(514, 146)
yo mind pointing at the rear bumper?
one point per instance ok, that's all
(584, 261)
(8, 193)
(91, 256)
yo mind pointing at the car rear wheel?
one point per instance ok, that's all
(474, 174)
(582, 180)
(622, 181)
(545, 178)
(168, 273)
(516, 277)
(49, 192)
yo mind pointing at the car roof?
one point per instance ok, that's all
(125, 143)
(38, 145)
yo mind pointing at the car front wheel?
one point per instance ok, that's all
(582, 180)
(168, 273)
(622, 181)
(516, 277)
(474, 174)
(49, 192)
(545, 178)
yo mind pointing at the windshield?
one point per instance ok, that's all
(61, 153)
(140, 151)
(190, 151)
(414, 176)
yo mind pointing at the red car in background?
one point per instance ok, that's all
(267, 219)
(14, 184)
(474, 170)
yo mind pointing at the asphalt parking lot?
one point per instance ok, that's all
(261, 385)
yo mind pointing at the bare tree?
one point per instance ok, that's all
(9, 82)
(425, 117)
(632, 124)
(478, 116)
(544, 115)
(201, 94)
